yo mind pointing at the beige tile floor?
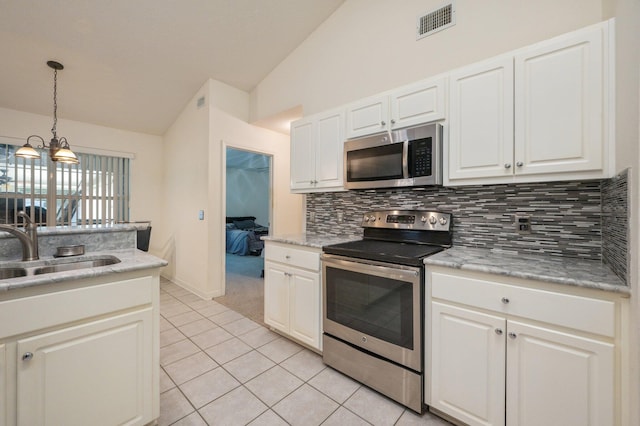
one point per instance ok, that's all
(219, 367)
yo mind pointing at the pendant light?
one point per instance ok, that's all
(59, 150)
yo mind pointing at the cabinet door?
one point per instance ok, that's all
(368, 116)
(329, 150)
(556, 378)
(305, 307)
(96, 373)
(418, 103)
(559, 105)
(302, 154)
(276, 296)
(481, 121)
(468, 358)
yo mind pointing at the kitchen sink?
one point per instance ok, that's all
(57, 265)
(76, 264)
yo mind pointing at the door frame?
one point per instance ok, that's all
(271, 156)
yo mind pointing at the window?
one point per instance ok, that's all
(95, 191)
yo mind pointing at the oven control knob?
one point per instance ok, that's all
(372, 218)
(443, 221)
(433, 220)
(364, 339)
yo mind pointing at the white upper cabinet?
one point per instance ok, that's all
(316, 152)
(559, 105)
(417, 103)
(368, 116)
(538, 114)
(481, 120)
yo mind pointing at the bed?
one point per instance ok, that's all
(243, 236)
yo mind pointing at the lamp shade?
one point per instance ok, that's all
(28, 152)
(65, 155)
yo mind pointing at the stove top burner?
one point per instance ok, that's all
(384, 251)
(403, 237)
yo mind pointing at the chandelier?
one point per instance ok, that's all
(58, 147)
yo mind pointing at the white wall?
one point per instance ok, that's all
(146, 175)
(369, 46)
(184, 237)
(627, 14)
(194, 180)
(248, 194)
(288, 209)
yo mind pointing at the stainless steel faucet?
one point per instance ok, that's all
(28, 238)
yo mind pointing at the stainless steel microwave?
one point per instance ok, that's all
(405, 157)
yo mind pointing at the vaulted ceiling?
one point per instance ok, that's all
(134, 64)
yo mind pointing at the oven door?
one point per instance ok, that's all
(375, 306)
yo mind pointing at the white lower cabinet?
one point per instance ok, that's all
(500, 355)
(292, 292)
(468, 364)
(85, 353)
(97, 371)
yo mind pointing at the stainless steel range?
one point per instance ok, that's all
(373, 301)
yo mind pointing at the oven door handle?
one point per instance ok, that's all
(372, 267)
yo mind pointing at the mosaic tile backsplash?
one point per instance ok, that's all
(615, 224)
(565, 216)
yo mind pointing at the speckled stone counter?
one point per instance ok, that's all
(111, 240)
(568, 271)
(130, 260)
(310, 240)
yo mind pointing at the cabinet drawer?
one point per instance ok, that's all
(289, 255)
(577, 312)
(51, 309)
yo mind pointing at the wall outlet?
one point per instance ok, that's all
(340, 217)
(201, 215)
(523, 223)
(312, 217)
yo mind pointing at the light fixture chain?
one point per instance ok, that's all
(55, 103)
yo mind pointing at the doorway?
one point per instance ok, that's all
(248, 218)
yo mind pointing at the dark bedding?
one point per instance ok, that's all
(243, 236)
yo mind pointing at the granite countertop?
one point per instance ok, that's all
(568, 271)
(311, 240)
(131, 259)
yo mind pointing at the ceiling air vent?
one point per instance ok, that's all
(437, 20)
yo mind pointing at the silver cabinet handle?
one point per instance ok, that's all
(27, 356)
(519, 164)
(507, 165)
(505, 300)
(499, 331)
(383, 123)
(512, 335)
(393, 121)
(287, 257)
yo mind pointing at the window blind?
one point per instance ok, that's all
(95, 191)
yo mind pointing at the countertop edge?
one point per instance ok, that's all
(130, 260)
(484, 261)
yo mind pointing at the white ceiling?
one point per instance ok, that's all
(134, 64)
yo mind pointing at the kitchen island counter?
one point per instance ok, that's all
(131, 259)
(559, 270)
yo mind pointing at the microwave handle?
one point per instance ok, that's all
(405, 159)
